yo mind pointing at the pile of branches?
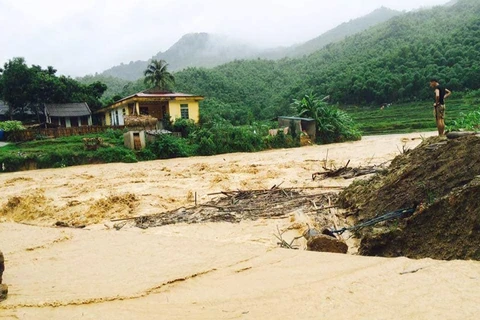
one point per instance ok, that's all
(235, 206)
(347, 172)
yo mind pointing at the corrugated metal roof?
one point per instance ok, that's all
(68, 109)
(297, 118)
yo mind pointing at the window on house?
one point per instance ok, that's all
(124, 111)
(184, 111)
(144, 111)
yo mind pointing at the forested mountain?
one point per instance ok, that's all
(209, 50)
(334, 35)
(387, 63)
(192, 50)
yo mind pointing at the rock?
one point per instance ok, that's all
(61, 224)
(120, 225)
(324, 243)
(3, 292)
(2, 266)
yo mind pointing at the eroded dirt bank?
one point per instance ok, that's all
(441, 178)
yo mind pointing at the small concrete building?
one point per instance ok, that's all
(134, 140)
(301, 124)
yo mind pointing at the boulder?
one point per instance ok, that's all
(325, 243)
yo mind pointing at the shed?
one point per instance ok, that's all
(301, 124)
(68, 114)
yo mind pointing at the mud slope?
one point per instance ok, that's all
(442, 178)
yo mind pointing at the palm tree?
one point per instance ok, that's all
(157, 75)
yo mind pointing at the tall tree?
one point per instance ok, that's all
(157, 75)
(24, 87)
(16, 81)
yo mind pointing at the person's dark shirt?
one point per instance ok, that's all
(441, 99)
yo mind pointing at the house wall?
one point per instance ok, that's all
(107, 120)
(155, 110)
(193, 109)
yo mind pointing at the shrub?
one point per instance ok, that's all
(335, 125)
(113, 135)
(206, 147)
(145, 155)
(281, 140)
(469, 121)
(184, 126)
(167, 146)
(222, 137)
(115, 155)
(10, 162)
(8, 126)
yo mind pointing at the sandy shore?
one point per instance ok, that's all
(205, 271)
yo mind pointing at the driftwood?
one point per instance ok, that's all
(235, 206)
(286, 189)
(284, 244)
(347, 172)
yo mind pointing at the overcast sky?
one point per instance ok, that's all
(80, 37)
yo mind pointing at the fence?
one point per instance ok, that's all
(34, 133)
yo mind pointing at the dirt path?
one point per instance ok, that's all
(204, 271)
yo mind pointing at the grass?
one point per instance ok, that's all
(65, 151)
(405, 117)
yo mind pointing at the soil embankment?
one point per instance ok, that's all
(441, 178)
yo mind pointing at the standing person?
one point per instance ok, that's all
(441, 93)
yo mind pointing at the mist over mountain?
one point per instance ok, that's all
(334, 35)
(192, 50)
(210, 50)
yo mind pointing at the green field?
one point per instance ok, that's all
(407, 117)
(63, 152)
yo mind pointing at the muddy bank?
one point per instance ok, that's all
(440, 178)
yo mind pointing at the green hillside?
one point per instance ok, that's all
(391, 62)
(340, 32)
